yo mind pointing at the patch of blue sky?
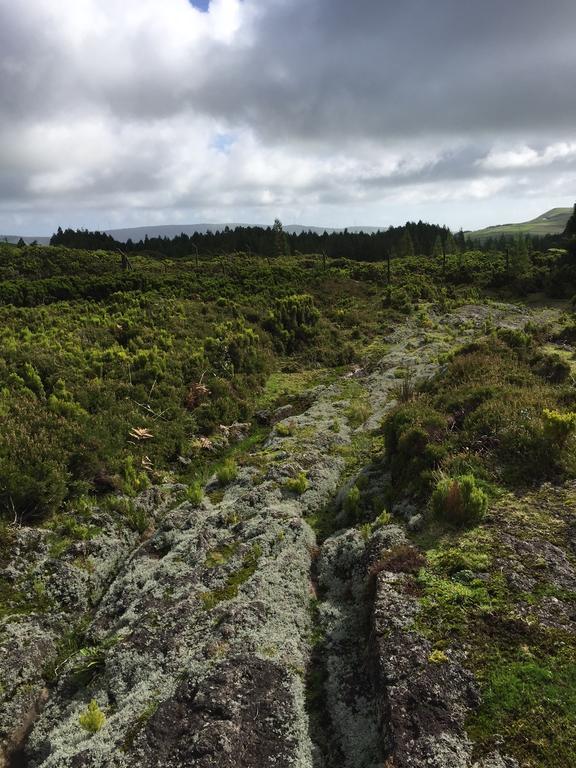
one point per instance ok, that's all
(202, 5)
(223, 142)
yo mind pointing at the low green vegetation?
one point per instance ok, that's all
(228, 591)
(115, 379)
(495, 418)
(297, 484)
(112, 378)
(227, 472)
(92, 719)
(473, 449)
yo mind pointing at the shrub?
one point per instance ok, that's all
(415, 436)
(92, 719)
(552, 367)
(558, 427)
(514, 338)
(134, 480)
(292, 321)
(138, 519)
(459, 500)
(351, 503)
(227, 472)
(195, 493)
(403, 558)
(384, 518)
(297, 484)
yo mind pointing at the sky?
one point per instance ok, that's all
(322, 112)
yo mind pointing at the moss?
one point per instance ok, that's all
(222, 555)
(532, 703)
(281, 386)
(437, 657)
(285, 428)
(234, 581)
(216, 496)
(18, 601)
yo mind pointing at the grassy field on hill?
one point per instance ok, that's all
(552, 222)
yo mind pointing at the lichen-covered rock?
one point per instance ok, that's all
(199, 645)
(426, 697)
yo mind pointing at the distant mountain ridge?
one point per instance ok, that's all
(553, 222)
(40, 239)
(173, 230)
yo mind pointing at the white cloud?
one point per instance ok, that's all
(144, 110)
(527, 157)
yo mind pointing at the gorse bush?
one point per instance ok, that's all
(459, 501)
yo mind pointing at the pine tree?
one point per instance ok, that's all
(438, 247)
(570, 230)
(406, 247)
(281, 247)
(451, 245)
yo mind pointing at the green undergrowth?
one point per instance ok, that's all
(529, 698)
(501, 415)
(21, 600)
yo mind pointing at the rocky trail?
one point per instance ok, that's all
(257, 628)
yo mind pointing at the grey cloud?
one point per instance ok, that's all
(314, 79)
(332, 68)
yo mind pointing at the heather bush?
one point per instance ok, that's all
(459, 501)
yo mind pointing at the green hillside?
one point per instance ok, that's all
(552, 222)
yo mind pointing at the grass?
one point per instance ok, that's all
(550, 223)
(281, 386)
(532, 703)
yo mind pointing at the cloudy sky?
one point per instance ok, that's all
(328, 112)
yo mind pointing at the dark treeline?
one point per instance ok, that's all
(413, 238)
